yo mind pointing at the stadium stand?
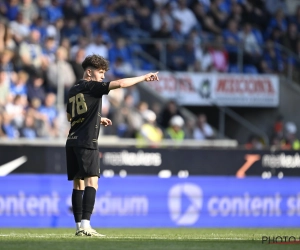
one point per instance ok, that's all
(39, 39)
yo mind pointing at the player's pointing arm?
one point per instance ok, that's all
(127, 82)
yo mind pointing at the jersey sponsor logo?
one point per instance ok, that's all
(72, 137)
(80, 120)
(185, 202)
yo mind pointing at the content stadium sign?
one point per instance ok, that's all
(149, 201)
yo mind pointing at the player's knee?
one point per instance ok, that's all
(78, 184)
(91, 182)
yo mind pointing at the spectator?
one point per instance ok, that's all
(203, 130)
(11, 9)
(189, 129)
(8, 128)
(42, 125)
(176, 57)
(71, 31)
(6, 62)
(278, 22)
(130, 27)
(206, 20)
(290, 39)
(85, 28)
(134, 92)
(251, 44)
(6, 38)
(204, 59)
(15, 111)
(4, 88)
(232, 40)
(237, 13)
(121, 69)
(95, 10)
(2, 134)
(19, 28)
(170, 110)
(296, 18)
(120, 50)
(54, 11)
(29, 10)
(126, 118)
(175, 130)
(272, 60)
(254, 143)
(49, 49)
(49, 109)
(149, 132)
(278, 128)
(31, 52)
(185, 16)
(19, 87)
(218, 14)
(162, 17)
(190, 56)
(254, 12)
(28, 130)
(39, 24)
(219, 56)
(177, 33)
(98, 47)
(42, 9)
(35, 88)
(67, 79)
(72, 10)
(291, 141)
(76, 64)
(143, 17)
(273, 6)
(55, 29)
(81, 45)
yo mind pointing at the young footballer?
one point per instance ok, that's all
(84, 114)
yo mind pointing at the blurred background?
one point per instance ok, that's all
(226, 103)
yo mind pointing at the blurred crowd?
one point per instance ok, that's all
(283, 136)
(43, 42)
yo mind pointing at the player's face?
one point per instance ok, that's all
(98, 74)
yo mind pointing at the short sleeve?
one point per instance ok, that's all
(98, 89)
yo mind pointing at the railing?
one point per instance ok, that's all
(113, 141)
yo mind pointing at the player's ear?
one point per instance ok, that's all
(88, 72)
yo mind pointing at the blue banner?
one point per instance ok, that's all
(148, 201)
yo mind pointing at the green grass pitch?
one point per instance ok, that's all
(154, 238)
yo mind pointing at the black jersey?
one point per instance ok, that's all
(84, 105)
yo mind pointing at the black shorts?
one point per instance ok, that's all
(82, 162)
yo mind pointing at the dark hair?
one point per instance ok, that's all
(95, 61)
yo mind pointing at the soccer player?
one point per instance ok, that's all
(84, 113)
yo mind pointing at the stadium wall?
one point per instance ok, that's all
(175, 161)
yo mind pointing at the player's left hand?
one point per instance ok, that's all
(105, 121)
